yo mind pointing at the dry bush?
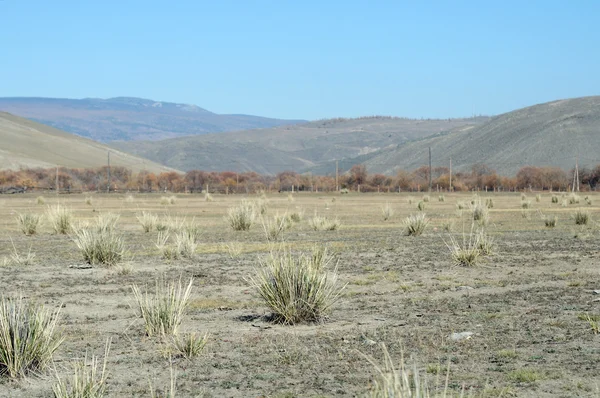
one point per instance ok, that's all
(40, 200)
(241, 217)
(165, 201)
(489, 203)
(186, 242)
(485, 243)
(29, 222)
(106, 222)
(60, 219)
(480, 212)
(295, 288)
(421, 206)
(574, 199)
(147, 220)
(28, 337)
(387, 211)
(208, 197)
(461, 205)
(414, 225)
(261, 205)
(550, 222)
(526, 204)
(538, 198)
(290, 197)
(426, 198)
(581, 217)
(167, 251)
(89, 201)
(296, 216)
(554, 199)
(20, 259)
(319, 223)
(441, 198)
(87, 381)
(99, 246)
(163, 311)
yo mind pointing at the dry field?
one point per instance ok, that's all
(530, 306)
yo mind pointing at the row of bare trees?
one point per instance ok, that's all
(479, 177)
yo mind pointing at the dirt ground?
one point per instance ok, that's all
(523, 304)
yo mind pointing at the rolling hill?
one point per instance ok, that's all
(128, 119)
(298, 147)
(549, 134)
(28, 144)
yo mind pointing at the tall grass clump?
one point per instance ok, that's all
(190, 345)
(99, 246)
(167, 251)
(485, 243)
(261, 205)
(387, 211)
(538, 198)
(60, 219)
(319, 223)
(163, 311)
(88, 379)
(242, 216)
(415, 224)
(275, 227)
(19, 259)
(295, 288)
(480, 213)
(526, 204)
(441, 198)
(489, 203)
(208, 197)
(426, 198)
(147, 220)
(106, 222)
(554, 199)
(28, 337)
(550, 222)
(28, 222)
(574, 199)
(421, 206)
(186, 242)
(40, 200)
(89, 201)
(581, 217)
(129, 199)
(467, 252)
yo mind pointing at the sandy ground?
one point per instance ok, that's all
(522, 304)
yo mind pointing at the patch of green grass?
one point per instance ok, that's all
(524, 375)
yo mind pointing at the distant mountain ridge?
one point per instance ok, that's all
(129, 118)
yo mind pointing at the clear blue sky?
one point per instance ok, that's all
(305, 59)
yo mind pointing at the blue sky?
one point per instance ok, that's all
(305, 59)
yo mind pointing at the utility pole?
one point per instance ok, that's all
(337, 177)
(57, 180)
(108, 175)
(577, 173)
(450, 184)
(429, 169)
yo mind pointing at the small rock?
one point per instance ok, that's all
(461, 336)
(596, 291)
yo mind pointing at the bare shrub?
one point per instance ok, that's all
(100, 246)
(147, 220)
(467, 252)
(60, 219)
(320, 223)
(581, 217)
(241, 217)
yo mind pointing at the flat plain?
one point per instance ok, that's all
(530, 306)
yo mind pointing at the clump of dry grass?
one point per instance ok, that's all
(28, 337)
(489, 203)
(60, 219)
(387, 211)
(106, 222)
(538, 198)
(574, 199)
(480, 212)
(186, 242)
(467, 252)
(89, 201)
(581, 217)
(29, 222)
(147, 220)
(19, 259)
(441, 198)
(275, 227)
(554, 199)
(261, 205)
(167, 251)
(320, 223)
(241, 217)
(208, 197)
(526, 204)
(297, 288)
(88, 379)
(421, 206)
(99, 246)
(163, 311)
(191, 345)
(168, 200)
(296, 216)
(485, 243)
(414, 225)
(426, 198)
(129, 199)
(40, 200)
(234, 249)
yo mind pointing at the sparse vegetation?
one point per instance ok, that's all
(554, 199)
(550, 222)
(467, 252)
(87, 381)
(320, 223)
(441, 198)
(480, 213)
(387, 211)
(275, 227)
(40, 200)
(28, 337)
(147, 220)
(526, 204)
(421, 206)
(163, 311)
(191, 345)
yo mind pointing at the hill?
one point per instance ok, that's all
(298, 147)
(25, 143)
(549, 134)
(128, 119)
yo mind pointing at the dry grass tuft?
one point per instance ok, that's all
(29, 222)
(387, 211)
(100, 246)
(28, 337)
(319, 223)
(241, 217)
(147, 220)
(414, 225)
(191, 345)
(297, 288)
(60, 218)
(163, 311)
(466, 253)
(581, 217)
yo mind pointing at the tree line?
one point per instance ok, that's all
(479, 177)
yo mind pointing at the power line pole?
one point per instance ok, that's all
(429, 169)
(577, 171)
(108, 175)
(337, 176)
(57, 180)
(450, 184)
